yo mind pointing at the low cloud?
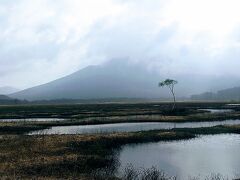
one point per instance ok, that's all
(43, 40)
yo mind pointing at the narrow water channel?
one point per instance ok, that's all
(32, 120)
(128, 127)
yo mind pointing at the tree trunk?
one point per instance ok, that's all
(171, 87)
(174, 100)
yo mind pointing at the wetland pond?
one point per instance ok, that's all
(32, 120)
(217, 111)
(129, 127)
(198, 157)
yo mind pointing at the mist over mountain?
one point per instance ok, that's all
(5, 100)
(232, 94)
(119, 79)
(3, 97)
(201, 51)
(8, 90)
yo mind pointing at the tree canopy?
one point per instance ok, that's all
(170, 84)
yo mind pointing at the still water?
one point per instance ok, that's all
(128, 127)
(215, 111)
(199, 157)
(32, 119)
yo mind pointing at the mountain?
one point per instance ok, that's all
(226, 94)
(115, 79)
(5, 100)
(3, 97)
(121, 79)
(8, 90)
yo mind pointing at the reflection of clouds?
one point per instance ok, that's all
(197, 157)
(131, 127)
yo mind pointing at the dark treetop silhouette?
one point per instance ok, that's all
(170, 83)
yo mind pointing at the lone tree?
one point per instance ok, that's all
(170, 83)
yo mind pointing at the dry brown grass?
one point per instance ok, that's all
(64, 156)
(78, 156)
(21, 152)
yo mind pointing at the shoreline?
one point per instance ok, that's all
(81, 155)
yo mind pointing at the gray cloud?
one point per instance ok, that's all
(43, 40)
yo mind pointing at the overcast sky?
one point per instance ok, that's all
(42, 40)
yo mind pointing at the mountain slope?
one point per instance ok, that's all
(5, 100)
(226, 94)
(8, 90)
(4, 97)
(121, 79)
(112, 80)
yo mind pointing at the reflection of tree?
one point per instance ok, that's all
(111, 166)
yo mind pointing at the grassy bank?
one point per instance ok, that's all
(91, 156)
(18, 128)
(79, 156)
(67, 156)
(81, 111)
(98, 114)
(26, 127)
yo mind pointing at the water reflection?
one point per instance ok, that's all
(32, 119)
(197, 157)
(217, 110)
(128, 127)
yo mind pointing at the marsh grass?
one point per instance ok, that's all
(90, 114)
(62, 156)
(82, 156)
(19, 129)
(104, 111)
(131, 173)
